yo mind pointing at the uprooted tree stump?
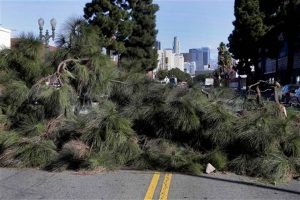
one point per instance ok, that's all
(273, 87)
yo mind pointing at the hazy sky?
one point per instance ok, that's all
(197, 23)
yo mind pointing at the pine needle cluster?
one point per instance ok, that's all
(87, 113)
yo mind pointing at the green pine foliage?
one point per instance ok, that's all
(16, 92)
(126, 28)
(161, 154)
(8, 140)
(72, 156)
(276, 167)
(90, 114)
(181, 76)
(249, 29)
(161, 74)
(218, 159)
(25, 58)
(107, 129)
(261, 28)
(112, 21)
(182, 113)
(18, 151)
(140, 54)
(224, 57)
(78, 39)
(34, 152)
(31, 128)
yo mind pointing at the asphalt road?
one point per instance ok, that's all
(34, 184)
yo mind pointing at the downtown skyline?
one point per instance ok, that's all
(197, 23)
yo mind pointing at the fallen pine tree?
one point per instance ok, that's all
(86, 114)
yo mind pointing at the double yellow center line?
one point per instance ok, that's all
(165, 186)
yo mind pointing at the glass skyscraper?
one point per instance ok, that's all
(176, 45)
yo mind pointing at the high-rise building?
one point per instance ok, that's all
(176, 45)
(187, 57)
(158, 45)
(197, 57)
(206, 56)
(201, 57)
(161, 60)
(179, 61)
(5, 38)
(168, 60)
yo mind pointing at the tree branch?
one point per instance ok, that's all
(63, 64)
(206, 93)
(275, 86)
(115, 81)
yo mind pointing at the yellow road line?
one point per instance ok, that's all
(165, 188)
(152, 186)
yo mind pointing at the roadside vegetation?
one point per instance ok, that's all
(87, 114)
(76, 109)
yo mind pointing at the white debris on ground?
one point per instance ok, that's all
(210, 168)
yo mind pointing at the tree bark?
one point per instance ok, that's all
(258, 95)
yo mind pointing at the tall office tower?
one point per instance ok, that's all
(176, 45)
(187, 57)
(206, 56)
(158, 45)
(197, 57)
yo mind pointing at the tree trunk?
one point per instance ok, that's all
(257, 70)
(258, 95)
